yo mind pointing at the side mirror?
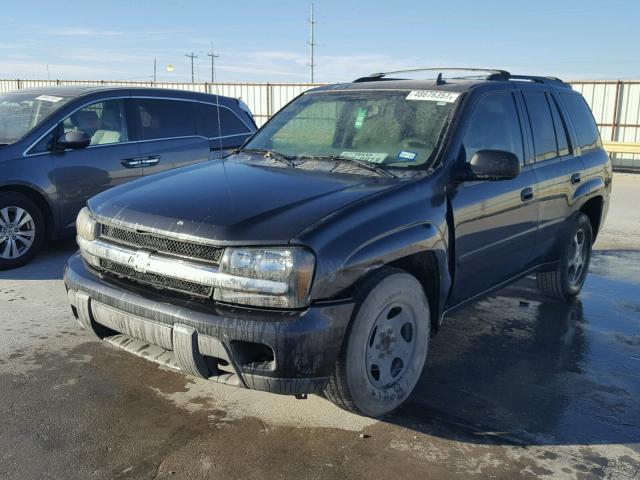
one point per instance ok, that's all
(74, 139)
(492, 165)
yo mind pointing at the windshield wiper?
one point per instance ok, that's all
(361, 163)
(269, 154)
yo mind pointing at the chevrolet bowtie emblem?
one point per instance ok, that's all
(140, 261)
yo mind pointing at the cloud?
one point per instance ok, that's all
(92, 32)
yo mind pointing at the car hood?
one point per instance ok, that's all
(233, 202)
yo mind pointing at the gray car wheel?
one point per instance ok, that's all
(386, 348)
(21, 230)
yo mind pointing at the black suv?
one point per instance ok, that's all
(322, 256)
(60, 146)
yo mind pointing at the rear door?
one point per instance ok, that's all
(557, 167)
(495, 221)
(222, 126)
(166, 130)
(110, 159)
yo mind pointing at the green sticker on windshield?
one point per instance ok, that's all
(362, 113)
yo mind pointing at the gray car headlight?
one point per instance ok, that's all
(87, 229)
(293, 267)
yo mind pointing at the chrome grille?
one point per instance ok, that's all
(156, 243)
(156, 281)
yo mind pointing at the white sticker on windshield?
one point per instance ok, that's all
(433, 96)
(372, 157)
(49, 98)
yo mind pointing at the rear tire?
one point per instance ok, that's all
(22, 230)
(386, 346)
(566, 281)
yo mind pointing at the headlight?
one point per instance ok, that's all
(86, 226)
(293, 267)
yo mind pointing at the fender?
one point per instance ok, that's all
(22, 187)
(592, 185)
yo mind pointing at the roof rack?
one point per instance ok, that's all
(491, 74)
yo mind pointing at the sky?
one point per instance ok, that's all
(260, 41)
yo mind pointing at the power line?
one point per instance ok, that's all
(312, 44)
(192, 57)
(213, 68)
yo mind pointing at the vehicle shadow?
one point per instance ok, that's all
(47, 265)
(520, 369)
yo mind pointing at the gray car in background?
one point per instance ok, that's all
(61, 145)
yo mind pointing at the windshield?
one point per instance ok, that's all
(392, 128)
(21, 112)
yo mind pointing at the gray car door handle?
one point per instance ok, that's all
(141, 161)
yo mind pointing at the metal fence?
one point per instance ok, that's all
(615, 104)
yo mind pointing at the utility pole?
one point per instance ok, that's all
(192, 57)
(155, 70)
(213, 68)
(312, 44)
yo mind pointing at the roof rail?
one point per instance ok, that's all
(491, 73)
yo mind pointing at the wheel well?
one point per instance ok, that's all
(424, 267)
(39, 200)
(593, 209)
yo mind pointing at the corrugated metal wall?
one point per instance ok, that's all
(615, 104)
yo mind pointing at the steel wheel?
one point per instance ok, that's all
(17, 232)
(391, 345)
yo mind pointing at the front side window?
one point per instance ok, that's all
(384, 127)
(22, 112)
(159, 118)
(105, 122)
(494, 125)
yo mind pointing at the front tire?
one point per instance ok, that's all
(386, 346)
(22, 230)
(566, 281)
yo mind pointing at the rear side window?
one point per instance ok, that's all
(582, 118)
(494, 125)
(207, 121)
(542, 126)
(560, 127)
(154, 119)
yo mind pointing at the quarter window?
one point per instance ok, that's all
(494, 125)
(582, 118)
(542, 126)
(105, 122)
(207, 121)
(560, 127)
(155, 118)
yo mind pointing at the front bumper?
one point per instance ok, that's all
(286, 352)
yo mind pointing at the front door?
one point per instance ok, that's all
(110, 159)
(495, 221)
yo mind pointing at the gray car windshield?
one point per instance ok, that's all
(389, 128)
(21, 112)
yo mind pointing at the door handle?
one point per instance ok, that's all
(526, 194)
(141, 161)
(575, 178)
(150, 160)
(131, 162)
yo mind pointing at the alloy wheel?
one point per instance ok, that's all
(17, 232)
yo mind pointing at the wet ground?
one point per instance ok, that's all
(515, 387)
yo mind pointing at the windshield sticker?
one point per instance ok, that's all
(362, 113)
(433, 96)
(407, 156)
(371, 157)
(49, 98)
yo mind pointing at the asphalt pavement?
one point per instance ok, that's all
(516, 386)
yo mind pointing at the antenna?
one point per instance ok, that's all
(213, 68)
(155, 70)
(312, 44)
(192, 57)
